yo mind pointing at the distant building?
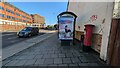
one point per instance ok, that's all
(12, 18)
(3, 1)
(38, 20)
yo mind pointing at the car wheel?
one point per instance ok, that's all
(29, 35)
(19, 36)
(37, 33)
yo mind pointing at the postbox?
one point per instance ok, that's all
(88, 37)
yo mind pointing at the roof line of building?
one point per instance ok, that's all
(7, 3)
(38, 15)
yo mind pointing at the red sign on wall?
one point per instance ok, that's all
(93, 17)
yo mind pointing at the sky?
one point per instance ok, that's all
(49, 10)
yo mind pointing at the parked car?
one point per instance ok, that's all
(28, 31)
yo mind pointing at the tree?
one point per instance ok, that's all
(56, 26)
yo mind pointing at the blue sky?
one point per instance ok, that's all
(49, 10)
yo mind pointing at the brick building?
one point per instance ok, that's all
(38, 20)
(12, 18)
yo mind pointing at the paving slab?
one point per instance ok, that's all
(48, 61)
(75, 60)
(73, 66)
(54, 55)
(63, 65)
(67, 61)
(39, 62)
(53, 66)
(30, 62)
(21, 63)
(38, 56)
(12, 63)
(47, 56)
(58, 61)
(61, 55)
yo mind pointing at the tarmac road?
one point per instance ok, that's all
(10, 38)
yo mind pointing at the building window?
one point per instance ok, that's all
(9, 17)
(2, 15)
(17, 19)
(24, 21)
(17, 14)
(7, 10)
(20, 19)
(13, 18)
(10, 11)
(23, 16)
(1, 8)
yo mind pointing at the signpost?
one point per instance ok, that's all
(66, 23)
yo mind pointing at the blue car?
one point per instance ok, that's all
(28, 32)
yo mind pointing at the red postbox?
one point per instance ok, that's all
(88, 37)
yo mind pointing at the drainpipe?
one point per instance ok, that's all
(68, 5)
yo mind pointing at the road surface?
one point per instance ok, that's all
(10, 38)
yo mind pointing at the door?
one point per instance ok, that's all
(114, 44)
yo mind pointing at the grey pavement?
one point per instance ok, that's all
(50, 53)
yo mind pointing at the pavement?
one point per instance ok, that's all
(49, 54)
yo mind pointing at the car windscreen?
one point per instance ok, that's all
(27, 29)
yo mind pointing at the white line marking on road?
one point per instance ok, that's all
(12, 37)
(7, 34)
(14, 41)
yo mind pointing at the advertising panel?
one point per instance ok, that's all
(66, 26)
